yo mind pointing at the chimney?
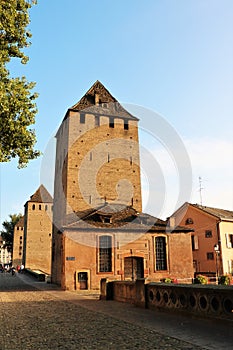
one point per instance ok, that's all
(172, 221)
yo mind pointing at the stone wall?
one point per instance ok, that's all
(203, 301)
(38, 236)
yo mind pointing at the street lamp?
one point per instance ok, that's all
(217, 251)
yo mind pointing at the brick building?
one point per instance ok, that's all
(98, 226)
(18, 239)
(212, 239)
(38, 231)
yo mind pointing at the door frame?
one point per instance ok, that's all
(88, 279)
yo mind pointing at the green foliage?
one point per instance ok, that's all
(200, 279)
(225, 280)
(166, 280)
(17, 101)
(8, 232)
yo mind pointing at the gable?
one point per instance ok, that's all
(99, 101)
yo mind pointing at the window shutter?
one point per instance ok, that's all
(195, 242)
(228, 242)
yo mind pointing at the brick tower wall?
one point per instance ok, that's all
(38, 236)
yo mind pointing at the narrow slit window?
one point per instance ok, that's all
(82, 118)
(111, 122)
(126, 125)
(97, 121)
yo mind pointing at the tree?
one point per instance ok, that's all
(8, 232)
(17, 100)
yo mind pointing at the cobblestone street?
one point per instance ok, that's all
(35, 315)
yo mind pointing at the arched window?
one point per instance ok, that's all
(160, 253)
(105, 254)
(33, 207)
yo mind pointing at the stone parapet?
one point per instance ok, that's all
(207, 301)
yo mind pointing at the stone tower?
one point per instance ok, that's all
(38, 231)
(97, 162)
(18, 243)
(97, 156)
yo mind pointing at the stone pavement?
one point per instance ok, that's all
(36, 315)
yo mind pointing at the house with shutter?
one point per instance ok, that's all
(212, 239)
(99, 230)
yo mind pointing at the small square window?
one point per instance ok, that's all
(107, 220)
(210, 256)
(208, 233)
(189, 221)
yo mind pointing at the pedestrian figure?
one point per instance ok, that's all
(21, 268)
(13, 271)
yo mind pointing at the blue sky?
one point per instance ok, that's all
(173, 57)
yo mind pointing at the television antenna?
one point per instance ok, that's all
(200, 189)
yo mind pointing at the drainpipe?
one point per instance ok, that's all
(220, 267)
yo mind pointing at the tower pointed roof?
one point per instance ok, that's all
(99, 100)
(41, 196)
(89, 98)
(20, 223)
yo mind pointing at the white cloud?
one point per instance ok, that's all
(211, 159)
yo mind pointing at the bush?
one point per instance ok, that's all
(200, 279)
(225, 280)
(166, 280)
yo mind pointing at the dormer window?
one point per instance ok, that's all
(189, 221)
(107, 220)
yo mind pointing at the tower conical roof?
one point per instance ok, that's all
(107, 104)
(41, 196)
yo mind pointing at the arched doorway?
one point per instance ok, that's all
(133, 268)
